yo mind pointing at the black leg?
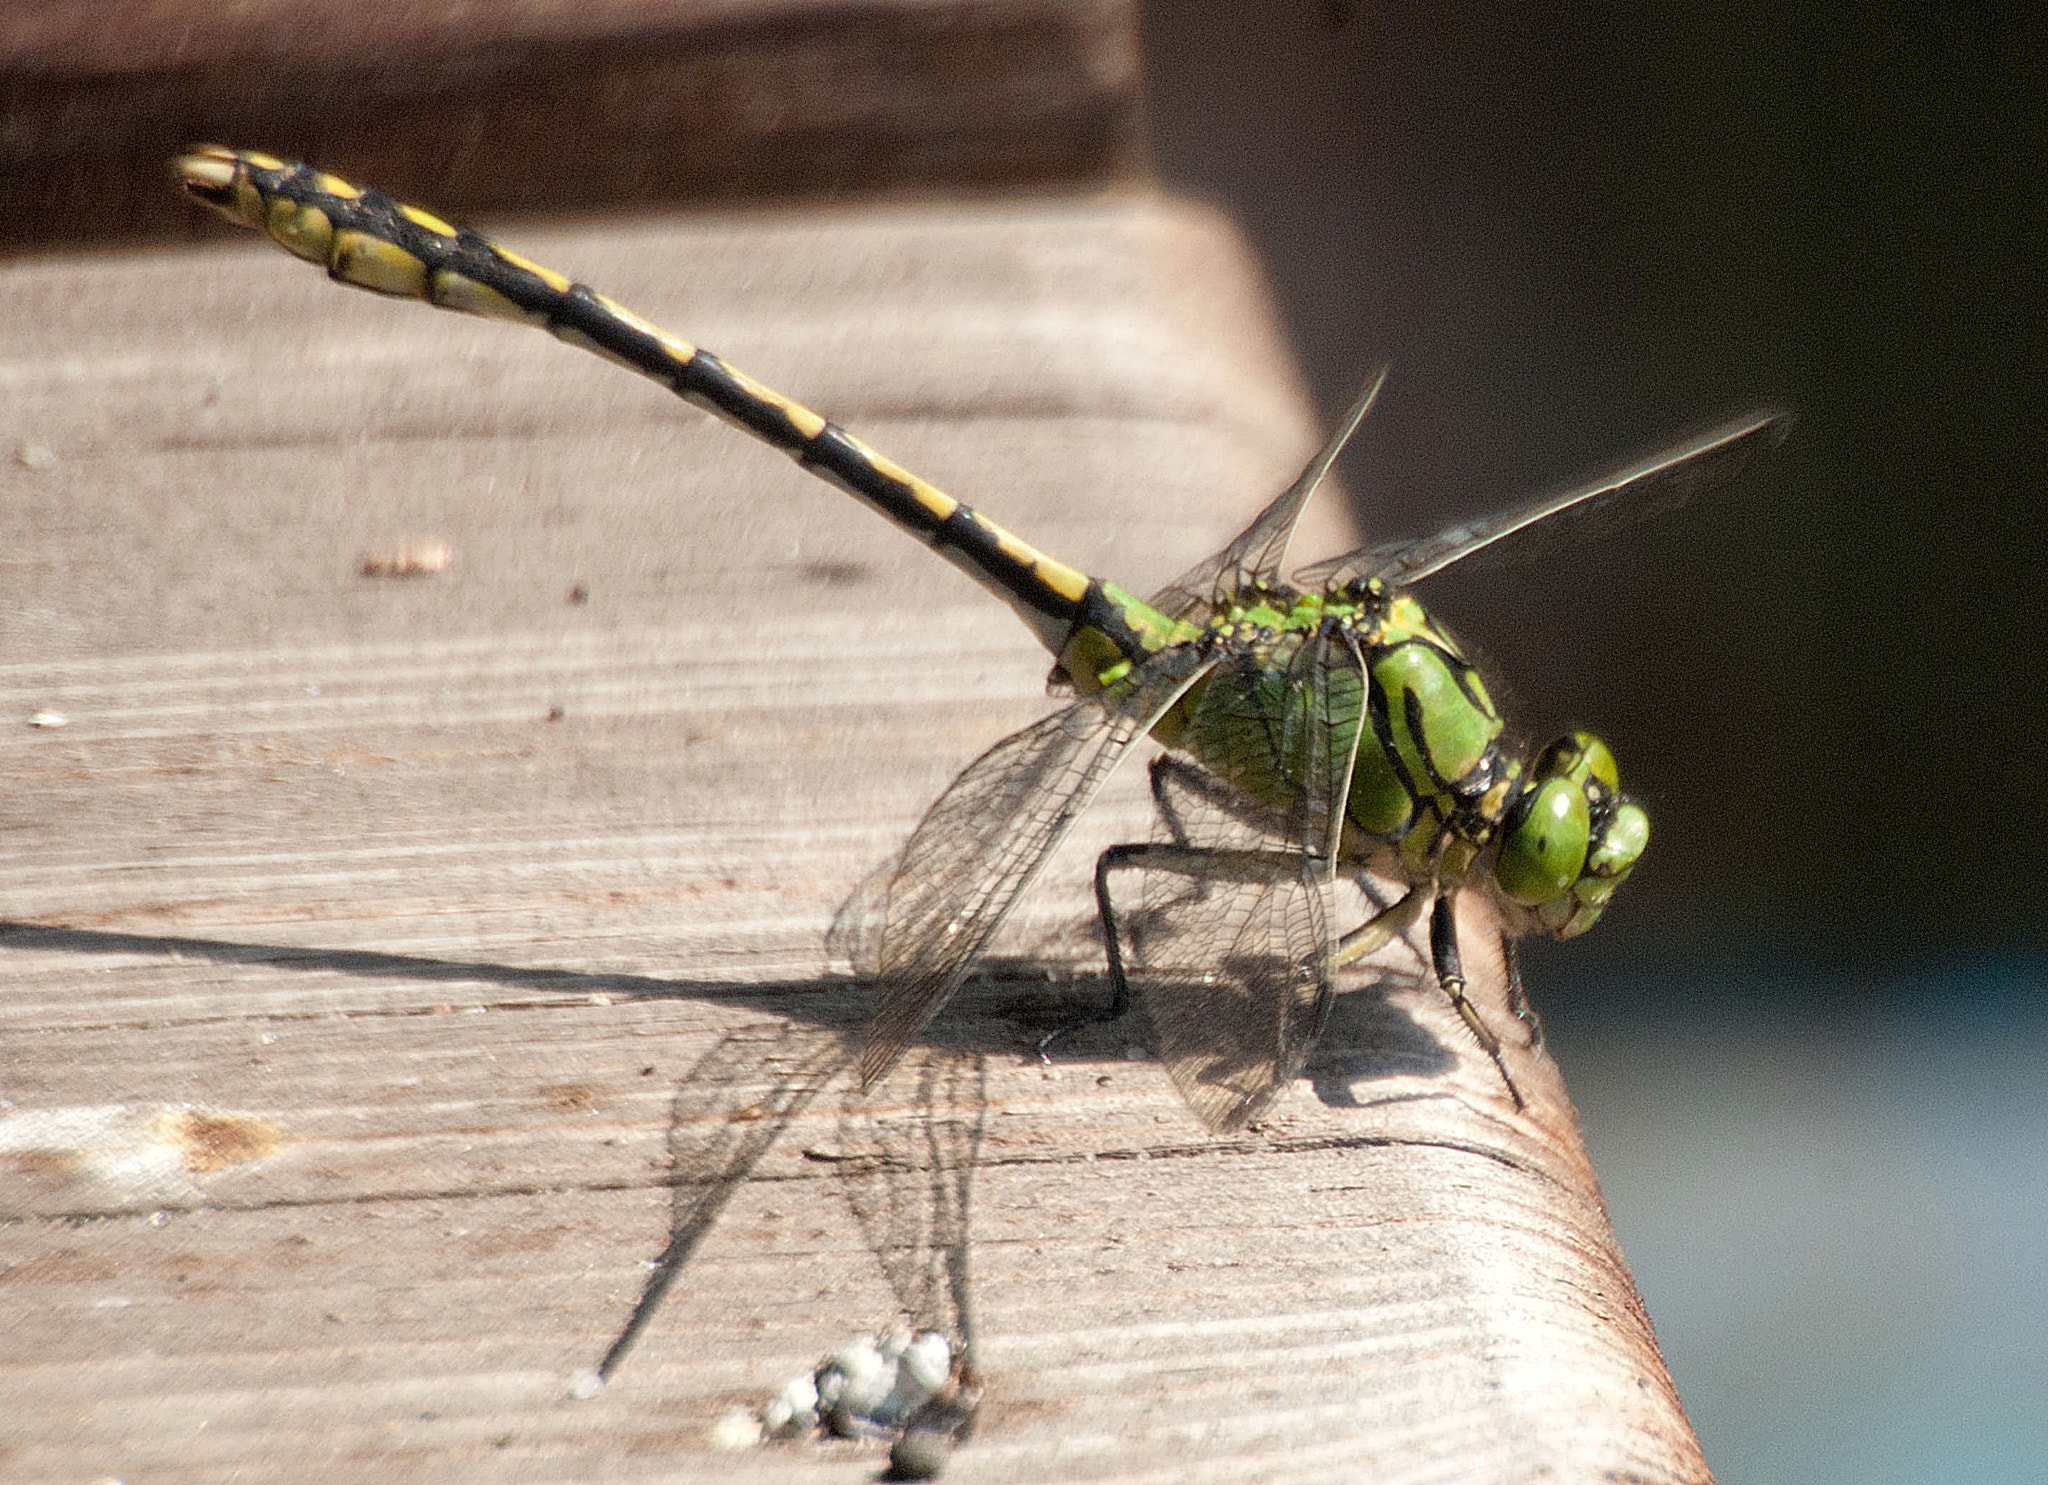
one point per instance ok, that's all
(1165, 771)
(1518, 997)
(1195, 864)
(1172, 774)
(1114, 859)
(1450, 974)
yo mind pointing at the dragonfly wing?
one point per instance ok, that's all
(1259, 549)
(1231, 952)
(1648, 489)
(985, 838)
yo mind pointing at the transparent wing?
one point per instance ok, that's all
(1259, 549)
(1231, 950)
(905, 1163)
(1637, 494)
(985, 838)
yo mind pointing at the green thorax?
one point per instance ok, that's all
(1306, 685)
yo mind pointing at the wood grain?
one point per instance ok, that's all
(392, 968)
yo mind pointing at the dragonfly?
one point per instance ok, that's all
(1320, 734)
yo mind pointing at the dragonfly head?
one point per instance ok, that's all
(1570, 837)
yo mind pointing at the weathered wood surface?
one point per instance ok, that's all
(378, 953)
(558, 105)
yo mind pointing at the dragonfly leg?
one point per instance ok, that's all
(1165, 772)
(1198, 864)
(1383, 927)
(1172, 776)
(1450, 974)
(1518, 997)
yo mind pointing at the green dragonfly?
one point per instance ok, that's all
(1317, 733)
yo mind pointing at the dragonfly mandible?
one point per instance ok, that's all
(1317, 732)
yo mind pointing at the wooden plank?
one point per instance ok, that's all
(392, 968)
(559, 106)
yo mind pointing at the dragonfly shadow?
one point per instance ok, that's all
(377, 964)
(904, 1152)
(903, 1158)
(1369, 1037)
(1231, 1044)
(1004, 1007)
(1010, 1002)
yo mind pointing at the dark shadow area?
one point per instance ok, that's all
(715, 1140)
(779, 995)
(1578, 234)
(1368, 1038)
(1003, 1009)
(544, 111)
(1805, 1042)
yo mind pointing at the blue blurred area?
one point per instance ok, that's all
(1839, 1222)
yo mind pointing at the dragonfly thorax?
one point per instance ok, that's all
(1353, 714)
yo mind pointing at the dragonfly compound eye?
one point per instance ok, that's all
(1618, 839)
(1573, 800)
(1543, 846)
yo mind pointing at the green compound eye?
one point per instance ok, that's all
(1571, 838)
(1585, 760)
(1612, 828)
(1544, 845)
(1595, 759)
(1616, 848)
(1618, 842)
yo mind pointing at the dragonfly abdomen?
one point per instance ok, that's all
(374, 242)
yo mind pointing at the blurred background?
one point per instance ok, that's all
(1810, 1048)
